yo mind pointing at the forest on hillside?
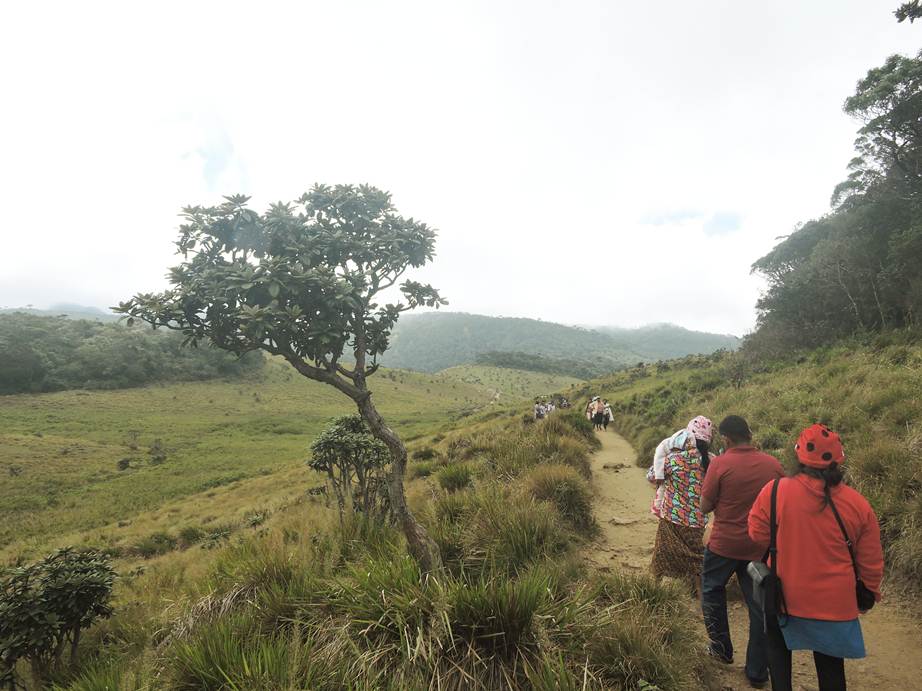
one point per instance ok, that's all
(435, 341)
(857, 268)
(45, 353)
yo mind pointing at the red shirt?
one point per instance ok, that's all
(733, 481)
(816, 572)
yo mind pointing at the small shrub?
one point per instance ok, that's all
(427, 453)
(123, 464)
(455, 477)
(563, 487)
(509, 535)
(190, 535)
(496, 615)
(154, 545)
(418, 470)
(157, 452)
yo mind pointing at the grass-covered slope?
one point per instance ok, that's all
(299, 602)
(81, 462)
(510, 384)
(870, 392)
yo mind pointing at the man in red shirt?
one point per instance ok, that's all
(733, 481)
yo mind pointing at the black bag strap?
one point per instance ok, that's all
(773, 528)
(848, 540)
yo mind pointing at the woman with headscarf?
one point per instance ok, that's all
(828, 560)
(679, 550)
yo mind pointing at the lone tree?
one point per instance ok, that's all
(302, 281)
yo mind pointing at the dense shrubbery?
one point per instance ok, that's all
(43, 353)
(858, 268)
(46, 606)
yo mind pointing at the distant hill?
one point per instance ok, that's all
(668, 341)
(434, 341)
(69, 310)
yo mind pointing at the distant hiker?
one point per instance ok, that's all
(540, 410)
(590, 408)
(598, 413)
(829, 561)
(733, 481)
(608, 414)
(678, 549)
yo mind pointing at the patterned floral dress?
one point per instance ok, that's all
(678, 552)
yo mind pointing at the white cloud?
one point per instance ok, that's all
(584, 161)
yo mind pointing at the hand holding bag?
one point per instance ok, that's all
(864, 595)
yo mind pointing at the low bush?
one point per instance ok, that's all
(426, 453)
(154, 545)
(455, 477)
(564, 487)
(417, 470)
(509, 535)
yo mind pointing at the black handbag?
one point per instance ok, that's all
(863, 594)
(766, 586)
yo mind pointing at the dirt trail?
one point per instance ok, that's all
(623, 499)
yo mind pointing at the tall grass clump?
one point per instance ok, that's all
(455, 477)
(565, 488)
(509, 535)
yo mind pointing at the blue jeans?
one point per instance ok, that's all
(715, 575)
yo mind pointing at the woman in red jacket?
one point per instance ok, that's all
(813, 563)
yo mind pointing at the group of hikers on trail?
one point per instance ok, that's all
(543, 407)
(599, 413)
(805, 549)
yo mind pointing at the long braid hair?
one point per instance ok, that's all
(831, 476)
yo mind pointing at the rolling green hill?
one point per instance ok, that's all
(437, 340)
(509, 384)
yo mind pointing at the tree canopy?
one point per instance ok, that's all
(858, 268)
(304, 281)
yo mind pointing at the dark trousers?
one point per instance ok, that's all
(830, 671)
(715, 575)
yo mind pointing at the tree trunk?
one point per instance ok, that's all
(422, 547)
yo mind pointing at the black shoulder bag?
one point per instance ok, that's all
(766, 586)
(863, 594)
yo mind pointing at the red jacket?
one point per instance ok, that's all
(815, 569)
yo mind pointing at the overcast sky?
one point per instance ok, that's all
(593, 162)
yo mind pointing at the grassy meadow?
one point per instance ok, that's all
(94, 466)
(509, 384)
(868, 390)
(299, 601)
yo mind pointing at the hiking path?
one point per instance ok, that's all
(628, 531)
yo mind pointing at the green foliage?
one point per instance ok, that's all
(298, 281)
(534, 362)
(154, 545)
(911, 10)
(509, 534)
(566, 489)
(856, 269)
(434, 342)
(46, 606)
(455, 476)
(355, 463)
(45, 353)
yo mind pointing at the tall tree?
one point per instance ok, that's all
(302, 281)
